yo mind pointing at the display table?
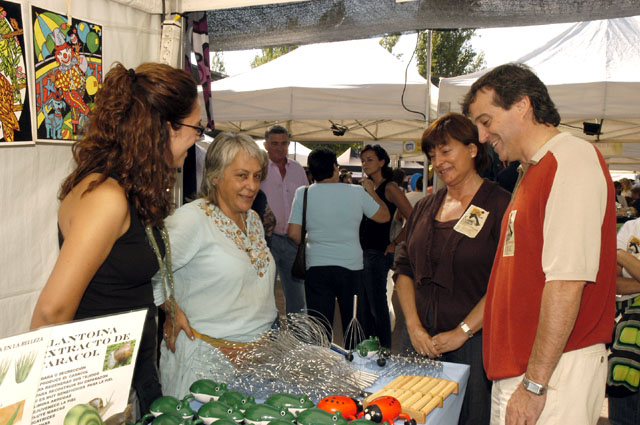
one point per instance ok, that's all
(447, 415)
(450, 412)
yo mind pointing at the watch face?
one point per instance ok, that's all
(533, 387)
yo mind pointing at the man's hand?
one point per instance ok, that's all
(524, 408)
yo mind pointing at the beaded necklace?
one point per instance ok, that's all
(167, 277)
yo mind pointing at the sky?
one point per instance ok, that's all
(500, 45)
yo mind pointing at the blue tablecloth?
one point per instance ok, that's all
(450, 412)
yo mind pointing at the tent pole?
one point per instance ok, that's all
(425, 171)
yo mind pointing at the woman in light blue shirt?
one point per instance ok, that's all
(333, 253)
(223, 270)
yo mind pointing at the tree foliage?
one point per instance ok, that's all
(270, 53)
(451, 53)
(217, 63)
(389, 42)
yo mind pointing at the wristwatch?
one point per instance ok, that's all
(466, 329)
(533, 387)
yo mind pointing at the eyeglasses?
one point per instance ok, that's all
(200, 129)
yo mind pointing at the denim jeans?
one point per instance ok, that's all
(373, 310)
(624, 410)
(284, 252)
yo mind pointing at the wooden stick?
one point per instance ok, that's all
(422, 402)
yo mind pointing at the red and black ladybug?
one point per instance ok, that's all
(350, 408)
(386, 409)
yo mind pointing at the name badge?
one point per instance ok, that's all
(471, 221)
(510, 238)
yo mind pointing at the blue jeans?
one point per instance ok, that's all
(284, 252)
(373, 310)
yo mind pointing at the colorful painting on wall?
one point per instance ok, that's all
(15, 117)
(68, 70)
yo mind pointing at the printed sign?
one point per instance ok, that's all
(46, 373)
(21, 361)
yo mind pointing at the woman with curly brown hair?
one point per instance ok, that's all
(114, 203)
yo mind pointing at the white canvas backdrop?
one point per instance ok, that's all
(31, 174)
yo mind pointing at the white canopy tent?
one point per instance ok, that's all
(355, 86)
(591, 71)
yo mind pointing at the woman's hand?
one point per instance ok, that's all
(422, 342)
(391, 248)
(450, 340)
(368, 185)
(171, 329)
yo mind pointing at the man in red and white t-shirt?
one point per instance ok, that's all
(550, 302)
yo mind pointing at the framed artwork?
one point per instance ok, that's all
(15, 116)
(68, 72)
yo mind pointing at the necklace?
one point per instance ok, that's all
(166, 270)
(243, 223)
(250, 240)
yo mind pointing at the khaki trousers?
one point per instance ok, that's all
(576, 389)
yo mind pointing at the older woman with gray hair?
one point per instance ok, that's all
(223, 272)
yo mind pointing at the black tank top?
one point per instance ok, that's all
(376, 235)
(123, 281)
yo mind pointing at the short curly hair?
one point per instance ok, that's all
(510, 83)
(221, 153)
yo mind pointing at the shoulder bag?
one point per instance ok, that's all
(299, 267)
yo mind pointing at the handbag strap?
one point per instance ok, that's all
(304, 214)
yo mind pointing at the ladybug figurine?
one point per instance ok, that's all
(386, 409)
(349, 407)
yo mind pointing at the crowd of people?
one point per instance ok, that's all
(520, 286)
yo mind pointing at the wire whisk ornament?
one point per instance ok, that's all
(294, 358)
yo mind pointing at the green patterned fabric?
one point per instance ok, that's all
(624, 362)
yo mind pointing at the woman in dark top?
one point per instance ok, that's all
(443, 268)
(140, 129)
(378, 250)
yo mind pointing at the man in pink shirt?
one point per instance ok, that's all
(284, 176)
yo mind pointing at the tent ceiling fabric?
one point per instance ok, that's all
(335, 20)
(591, 71)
